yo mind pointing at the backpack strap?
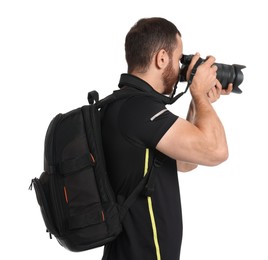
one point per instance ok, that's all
(145, 186)
(157, 163)
(123, 209)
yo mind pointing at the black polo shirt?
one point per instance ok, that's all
(152, 229)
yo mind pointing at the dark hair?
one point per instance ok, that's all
(145, 38)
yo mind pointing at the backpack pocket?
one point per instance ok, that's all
(81, 197)
(42, 199)
(85, 221)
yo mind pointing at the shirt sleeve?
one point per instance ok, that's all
(144, 121)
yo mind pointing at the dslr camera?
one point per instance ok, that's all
(225, 73)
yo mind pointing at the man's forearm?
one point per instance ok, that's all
(206, 119)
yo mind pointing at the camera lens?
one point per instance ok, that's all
(225, 74)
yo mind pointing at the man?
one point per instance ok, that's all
(138, 128)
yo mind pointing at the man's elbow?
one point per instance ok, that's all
(219, 156)
(185, 167)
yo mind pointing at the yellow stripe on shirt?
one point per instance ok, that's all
(150, 207)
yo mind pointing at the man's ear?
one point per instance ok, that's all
(161, 59)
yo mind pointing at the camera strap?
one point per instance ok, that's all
(173, 99)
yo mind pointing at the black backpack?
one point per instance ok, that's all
(76, 200)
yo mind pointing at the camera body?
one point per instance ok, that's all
(225, 73)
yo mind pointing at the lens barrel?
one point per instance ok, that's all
(225, 73)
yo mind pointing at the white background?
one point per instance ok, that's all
(53, 52)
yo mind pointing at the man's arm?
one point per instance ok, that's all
(184, 166)
(202, 140)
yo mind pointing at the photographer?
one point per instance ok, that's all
(141, 127)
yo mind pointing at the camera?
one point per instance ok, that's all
(225, 73)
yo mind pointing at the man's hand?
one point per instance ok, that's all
(205, 77)
(215, 92)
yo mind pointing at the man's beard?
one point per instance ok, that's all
(170, 78)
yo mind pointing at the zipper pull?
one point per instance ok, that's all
(31, 185)
(50, 235)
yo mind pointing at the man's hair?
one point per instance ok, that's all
(147, 37)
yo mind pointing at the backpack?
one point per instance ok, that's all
(74, 194)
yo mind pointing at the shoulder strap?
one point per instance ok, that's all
(133, 196)
(145, 186)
